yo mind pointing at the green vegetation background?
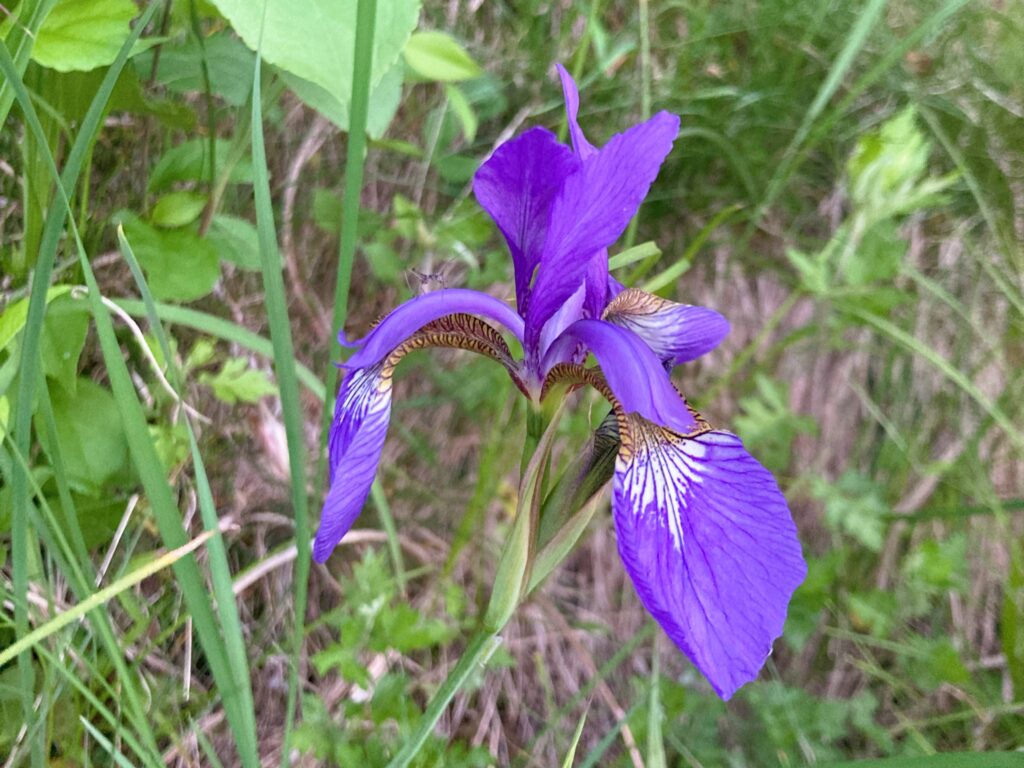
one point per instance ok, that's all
(847, 188)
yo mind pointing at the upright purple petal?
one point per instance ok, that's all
(593, 208)
(355, 443)
(635, 376)
(710, 545)
(582, 147)
(516, 186)
(675, 332)
(409, 317)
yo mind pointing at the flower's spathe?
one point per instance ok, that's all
(703, 530)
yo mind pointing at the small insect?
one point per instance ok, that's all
(425, 282)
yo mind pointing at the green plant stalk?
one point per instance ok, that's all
(477, 654)
(29, 362)
(288, 383)
(355, 157)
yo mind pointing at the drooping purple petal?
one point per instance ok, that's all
(593, 208)
(516, 186)
(675, 332)
(710, 545)
(357, 437)
(409, 317)
(635, 376)
(581, 146)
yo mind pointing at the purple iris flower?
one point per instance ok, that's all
(702, 528)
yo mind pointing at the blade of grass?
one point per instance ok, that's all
(946, 368)
(29, 362)
(144, 455)
(287, 381)
(366, 13)
(571, 754)
(101, 597)
(655, 745)
(221, 329)
(855, 40)
(220, 571)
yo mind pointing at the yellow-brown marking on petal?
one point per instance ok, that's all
(633, 301)
(457, 331)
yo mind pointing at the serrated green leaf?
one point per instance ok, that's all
(83, 34)
(315, 39)
(177, 209)
(437, 56)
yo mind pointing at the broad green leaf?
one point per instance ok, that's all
(92, 441)
(235, 239)
(177, 209)
(13, 318)
(237, 382)
(179, 265)
(384, 99)
(190, 161)
(66, 325)
(228, 61)
(83, 34)
(315, 39)
(437, 56)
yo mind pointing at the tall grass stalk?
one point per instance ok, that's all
(142, 450)
(288, 384)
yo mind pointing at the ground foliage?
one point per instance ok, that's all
(847, 188)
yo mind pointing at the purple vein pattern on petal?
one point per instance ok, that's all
(582, 147)
(635, 376)
(516, 186)
(676, 333)
(710, 545)
(355, 443)
(593, 209)
(409, 317)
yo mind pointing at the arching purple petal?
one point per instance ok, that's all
(635, 376)
(592, 210)
(407, 318)
(356, 440)
(516, 186)
(597, 284)
(710, 545)
(567, 314)
(581, 146)
(676, 333)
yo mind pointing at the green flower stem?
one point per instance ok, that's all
(477, 654)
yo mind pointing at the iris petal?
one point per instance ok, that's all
(516, 186)
(676, 333)
(356, 440)
(592, 209)
(710, 545)
(635, 376)
(582, 147)
(363, 408)
(407, 318)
